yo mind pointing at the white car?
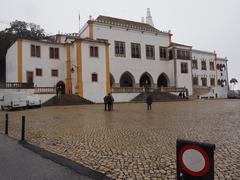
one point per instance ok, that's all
(33, 101)
(14, 101)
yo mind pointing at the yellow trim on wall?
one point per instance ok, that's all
(90, 25)
(68, 68)
(20, 66)
(79, 68)
(170, 39)
(108, 90)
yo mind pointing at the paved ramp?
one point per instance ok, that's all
(17, 162)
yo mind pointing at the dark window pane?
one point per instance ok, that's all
(54, 72)
(56, 53)
(51, 53)
(94, 77)
(38, 51)
(33, 51)
(38, 72)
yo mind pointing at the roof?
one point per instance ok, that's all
(222, 59)
(182, 45)
(127, 24)
(56, 43)
(93, 40)
(46, 41)
(205, 52)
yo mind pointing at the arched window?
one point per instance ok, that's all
(163, 80)
(146, 80)
(127, 80)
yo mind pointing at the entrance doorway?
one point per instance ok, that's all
(146, 80)
(60, 87)
(163, 80)
(29, 77)
(127, 80)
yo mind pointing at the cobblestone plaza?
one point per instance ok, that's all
(130, 142)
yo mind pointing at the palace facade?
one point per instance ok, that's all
(119, 56)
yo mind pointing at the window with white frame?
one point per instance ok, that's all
(136, 50)
(120, 49)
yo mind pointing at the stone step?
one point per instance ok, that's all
(158, 97)
(67, 100)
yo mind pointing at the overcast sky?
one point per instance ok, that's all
(204, 24)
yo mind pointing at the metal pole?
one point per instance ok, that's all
(23, 128)
(6, 123)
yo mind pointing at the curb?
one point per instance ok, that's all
(65, 162)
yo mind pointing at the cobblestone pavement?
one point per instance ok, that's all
(131, 143)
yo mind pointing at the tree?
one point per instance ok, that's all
(234, 82)
(17, 29)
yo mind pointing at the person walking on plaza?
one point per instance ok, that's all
(105, 99)
(59, 92)
(149, 102)
(110, 102)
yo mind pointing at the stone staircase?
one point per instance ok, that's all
(67, 100)
(158, 97)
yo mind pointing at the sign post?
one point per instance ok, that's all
(195, 160)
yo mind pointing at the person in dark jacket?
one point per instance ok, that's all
(149, 102)
(105, 99)
(110, 102)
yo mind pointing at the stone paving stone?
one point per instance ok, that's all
(131, 143)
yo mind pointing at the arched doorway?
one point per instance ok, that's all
(146, 80)
(163, 80)
(60, 87)
(112, 80)
(127, 80)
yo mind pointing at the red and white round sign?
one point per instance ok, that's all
(194, 160)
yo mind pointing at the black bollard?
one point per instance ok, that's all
(23, 129)
(6, 124)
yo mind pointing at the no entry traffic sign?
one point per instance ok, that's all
(195, 160)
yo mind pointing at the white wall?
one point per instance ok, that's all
(220, 91)
(12, 63)
(124, 97)
(184, 79)
(45, 63)
(222, 75)
(198, 55)
(94, 91)
(119, 65)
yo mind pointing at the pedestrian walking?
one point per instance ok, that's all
(112, 100)
(105, 99)
(149, 102)
(180, 95)
(183, 95)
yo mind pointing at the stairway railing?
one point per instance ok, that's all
(16, 85)
(45, 90)
(141, 89)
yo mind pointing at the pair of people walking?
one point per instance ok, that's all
(108, 102)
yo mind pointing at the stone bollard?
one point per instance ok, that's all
(23, 129)
(6, 124)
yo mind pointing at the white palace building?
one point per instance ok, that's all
(119, 56)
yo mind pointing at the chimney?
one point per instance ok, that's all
(142, 20)
(149, 18)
